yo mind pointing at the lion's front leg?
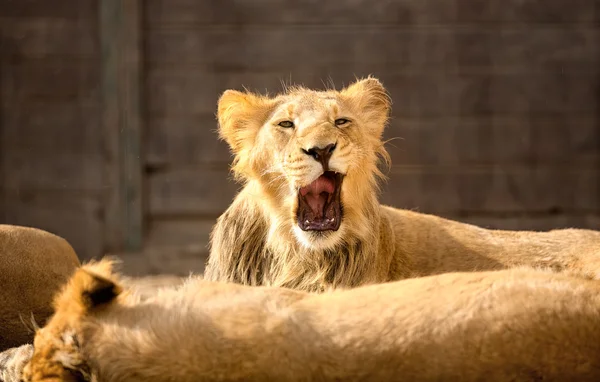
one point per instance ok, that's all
(12, 362)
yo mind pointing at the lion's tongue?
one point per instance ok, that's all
(317, 192)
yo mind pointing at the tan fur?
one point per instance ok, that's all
(33, 265)
(510, 325)
(257, 241)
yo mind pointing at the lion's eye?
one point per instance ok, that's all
(286, 124)
(341, 121)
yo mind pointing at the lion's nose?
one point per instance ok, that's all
(322, 154)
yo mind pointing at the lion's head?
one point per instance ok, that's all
(314, 155)
(57, 354)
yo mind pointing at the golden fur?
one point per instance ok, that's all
(258, 242)
(33, 265)
(510, 325)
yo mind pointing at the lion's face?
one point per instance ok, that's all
(56, 357)
(314, 154)
(57, 350)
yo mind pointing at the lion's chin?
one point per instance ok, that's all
(318, 240)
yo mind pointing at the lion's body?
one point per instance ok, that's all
(257, 241)
(510, 325)
(33, 265)
(433, 245)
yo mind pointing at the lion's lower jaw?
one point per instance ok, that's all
(358, 219)
(318, 240)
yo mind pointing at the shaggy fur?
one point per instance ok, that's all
(511, 325)
(257, 240)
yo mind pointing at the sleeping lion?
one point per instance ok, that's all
(509, 325)
(309, 218)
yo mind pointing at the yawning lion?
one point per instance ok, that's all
(309, 218)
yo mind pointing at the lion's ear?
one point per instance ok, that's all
(370, 97)
(240, 115)
(90, 287)
(98, 291)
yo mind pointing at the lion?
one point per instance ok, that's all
(308, 216)
(34, 264)
(509, 325)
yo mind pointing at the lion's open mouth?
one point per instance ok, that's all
(319, 207)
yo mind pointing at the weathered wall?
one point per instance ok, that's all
(49, 76)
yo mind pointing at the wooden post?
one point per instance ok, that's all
(3, 207)
(3, 212)
(120, 36)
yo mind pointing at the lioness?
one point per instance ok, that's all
(34, 264)
(309, 218)
(511, 325)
